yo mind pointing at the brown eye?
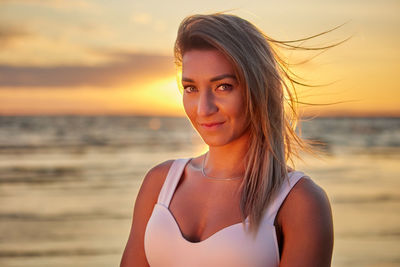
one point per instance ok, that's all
(189, 89)
(225, 87)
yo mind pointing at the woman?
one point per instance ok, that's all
(239, 204)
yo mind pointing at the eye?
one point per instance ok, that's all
(189, 89)
(225, 87)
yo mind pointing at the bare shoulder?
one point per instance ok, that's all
(306, 194)
(134, 253)
(154, 180)
(306, 221)
(307, 203)
(150, 189)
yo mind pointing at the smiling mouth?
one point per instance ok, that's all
(211, 125)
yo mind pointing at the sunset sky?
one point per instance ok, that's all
(115, 57)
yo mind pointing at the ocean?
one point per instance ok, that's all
(68, 184)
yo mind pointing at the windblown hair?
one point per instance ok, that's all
(262, 73)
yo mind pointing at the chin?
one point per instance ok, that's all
(224, 138)
(216, 140)
(214, 143)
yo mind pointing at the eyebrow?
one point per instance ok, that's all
(214, 79)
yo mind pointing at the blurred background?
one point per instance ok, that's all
(89, 102)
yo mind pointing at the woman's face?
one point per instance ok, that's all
(212, 97)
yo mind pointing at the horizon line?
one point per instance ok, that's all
(305, 116)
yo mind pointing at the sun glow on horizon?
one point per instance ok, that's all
(162, 97)
(159, 98)
(57, 62)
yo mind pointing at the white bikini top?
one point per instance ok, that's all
(231, 246)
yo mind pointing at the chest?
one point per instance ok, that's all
(231, 246)
(201, 208)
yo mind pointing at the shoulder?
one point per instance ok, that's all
(159, 170)
(306, 222)
(151, 187)
(308, 195)
(154, 180)
(145, 200)
(307, 202)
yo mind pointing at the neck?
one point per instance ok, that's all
(227, 161)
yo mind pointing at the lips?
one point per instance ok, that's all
(212, 125)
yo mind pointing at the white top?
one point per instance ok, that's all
(231, 246)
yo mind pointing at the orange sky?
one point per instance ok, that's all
(115, 57)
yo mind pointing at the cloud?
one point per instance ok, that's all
(40, 41)
(57, 4)
(10, 34)
(126, 68)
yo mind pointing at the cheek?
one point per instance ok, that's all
(189, 107)
(240, 115)
(236, 107)
(237, 110)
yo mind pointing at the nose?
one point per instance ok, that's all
(206, 105)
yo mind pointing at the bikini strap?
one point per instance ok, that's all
(171, 181)
(288, 184)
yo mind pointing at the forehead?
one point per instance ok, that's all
(205, 62)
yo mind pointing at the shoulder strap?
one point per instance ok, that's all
(273, 208)
(171, 181)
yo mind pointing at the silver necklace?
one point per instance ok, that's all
(214, 178)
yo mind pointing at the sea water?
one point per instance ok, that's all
(68, 184)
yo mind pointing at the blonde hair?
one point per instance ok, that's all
(261, 73)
